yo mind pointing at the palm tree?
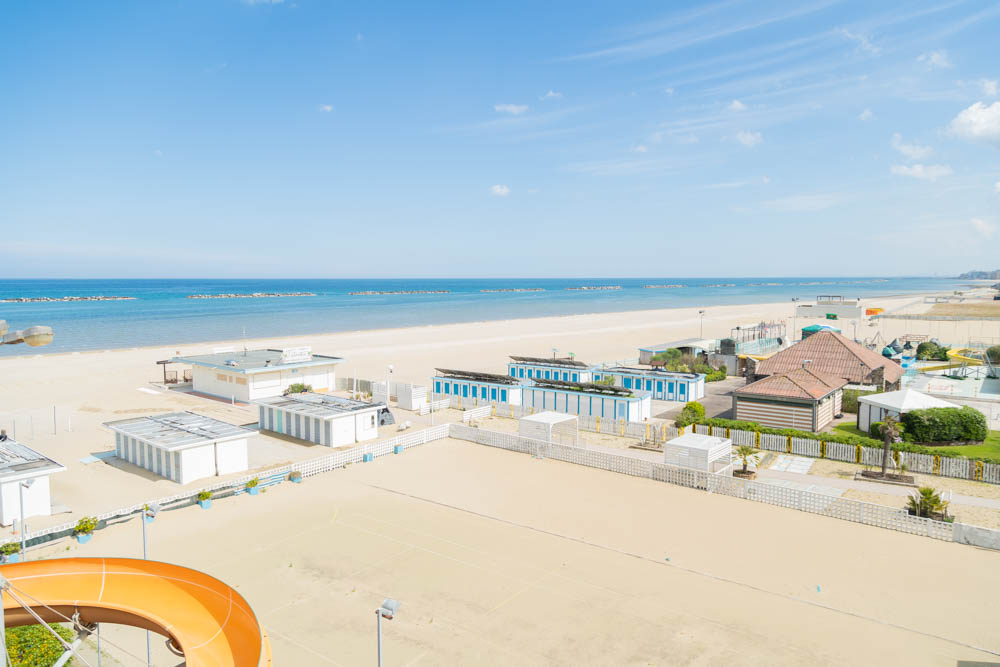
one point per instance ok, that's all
(890, 434)
(748, 454)
(926, 501)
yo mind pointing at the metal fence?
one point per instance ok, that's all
(644, 431)
(477, 413)
(805, 501)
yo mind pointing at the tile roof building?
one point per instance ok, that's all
(830, 353)
(802, 398)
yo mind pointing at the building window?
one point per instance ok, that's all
(241, 380)
(447, 388)
(474, 395)
(371, 423)
(503, 395)
(575, 377)
(513, 372)
(520, 372)
(529, 372)
(437, 387)
(221, 377)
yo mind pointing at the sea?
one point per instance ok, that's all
(161, 312)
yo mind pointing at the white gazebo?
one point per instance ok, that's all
(876, 407)
(24, 476)
(696, 451)
(556, 427)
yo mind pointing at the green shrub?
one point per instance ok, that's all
(693, 412)
(994, 353)
(10, 548)
(86, 525)
(962, 424)
(298, 388)
(252, 483)
(930, 351)
(204, 495)
(850, 399)
(33, 645)
(876, 431)
(711, 374)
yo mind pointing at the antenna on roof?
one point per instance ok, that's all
(806, 362)
(554, 351)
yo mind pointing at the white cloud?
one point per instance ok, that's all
(640, 149)
(983, 227)
(749, 139)
(938, 59)
(500, 190)
(990, 87)
(326, 108)
(551, 95)
(866, 115)
(861, 40)
(912, 151)
(668, 91)
(515, 109)
(736, 105)
(978, 123)
(929, 172)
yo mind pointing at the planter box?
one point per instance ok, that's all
(148, 519)
(398, 449)
(367, 458)
(83, 538)
(295, 480)
(12, 558)
(253, 490)
(205, 504)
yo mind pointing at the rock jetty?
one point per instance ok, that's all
(53, 299)
(513, 289)
(661, 286)
(254, 295)
(404, 291)
(594, 288)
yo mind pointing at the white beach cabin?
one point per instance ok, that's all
(562, 368)
(699, 452)
(182, 446)
(876, 407)
(587, 400)
(663, 385)
(554, 427)
(469, 389)
(248, 375)
(330, 421)
(19, 465)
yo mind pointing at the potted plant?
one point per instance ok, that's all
(205, 499)
(147, 514)
(295, 476)
(11, 552)
(252, 486)
(748, 455)
(927, 502)
(85, 528)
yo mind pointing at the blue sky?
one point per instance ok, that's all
(219, 138)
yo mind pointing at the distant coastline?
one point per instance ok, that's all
(64, 299)
(253, 295)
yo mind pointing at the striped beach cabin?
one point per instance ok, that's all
(662, 385)
(474, 388)
(564, 368)
(587, 400)
(803, 399)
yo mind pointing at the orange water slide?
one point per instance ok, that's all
(201, 616)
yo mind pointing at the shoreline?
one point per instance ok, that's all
(653, 314)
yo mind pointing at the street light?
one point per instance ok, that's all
(25, 484)
(148, 512)
(388, 382)
(387, 611)
(701, 324)
(32, 336)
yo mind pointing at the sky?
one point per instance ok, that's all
(312, 138)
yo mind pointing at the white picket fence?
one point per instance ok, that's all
(645, 431)
(273, 476)
(477, 413)
(805, 501)
(928, 464)
(435, 405)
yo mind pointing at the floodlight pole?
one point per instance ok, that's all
(21, 486)
(378, 621)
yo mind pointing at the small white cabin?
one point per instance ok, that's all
(554, 427)
(24, 473)
(699, 452)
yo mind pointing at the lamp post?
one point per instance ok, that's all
(701, 324)
(32, 336)
(388, 383)
(148, 512)
(795, 306)
(387, 611)
(24, 484)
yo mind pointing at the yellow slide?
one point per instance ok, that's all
(206, 620)
(961, 355)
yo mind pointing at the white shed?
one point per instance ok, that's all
(875, 407)
(21, 465)
(182, 446)
(554, 427)
(321, 419)
(699, 452)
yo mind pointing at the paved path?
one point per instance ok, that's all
(874, 487)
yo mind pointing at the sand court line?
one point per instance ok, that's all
(703, 574)
(274, 633)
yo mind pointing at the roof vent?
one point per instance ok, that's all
(231, 362)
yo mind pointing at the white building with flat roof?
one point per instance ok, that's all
(182, 446)
(24, 473)
(330, 421)
(700, 452)
(249, 375)
(556, 368)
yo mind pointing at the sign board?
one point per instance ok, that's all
(291, 355)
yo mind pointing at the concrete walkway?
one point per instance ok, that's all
(874, 487)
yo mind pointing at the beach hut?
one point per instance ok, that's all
(662, 385)
(696, 451)
(587, 400)
(182, 446)
(548, 426)
(694, 346)
(876, 407)
(468, 389)
(803, 398)
(248, 375)
(330, 421)
(24, 473)
(564, 368)
(816, 328)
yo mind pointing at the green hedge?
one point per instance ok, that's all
(845, 438)
(850, 400)
(962, 424)
(929, 351)
(693, 413)
(994, 353)
(33, 645)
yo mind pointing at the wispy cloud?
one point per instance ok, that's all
(803, 203)
(935, 59)
(749, 139)
(912, 151)
(500, 190)
(863, 42)
(736, 105)
(984, 228)
(326, 108)
(640, 149)
(978, 123)
(515, 109)
(866, 115)
(990, 87)
(923, 172)
(551, 95)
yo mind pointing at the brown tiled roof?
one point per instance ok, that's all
(799, 383)
(832, 354)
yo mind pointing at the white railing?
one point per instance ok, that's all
(434, 405)
(477, 413)
(805, 501)
(645, 431)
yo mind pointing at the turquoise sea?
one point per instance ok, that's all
(161, 313)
